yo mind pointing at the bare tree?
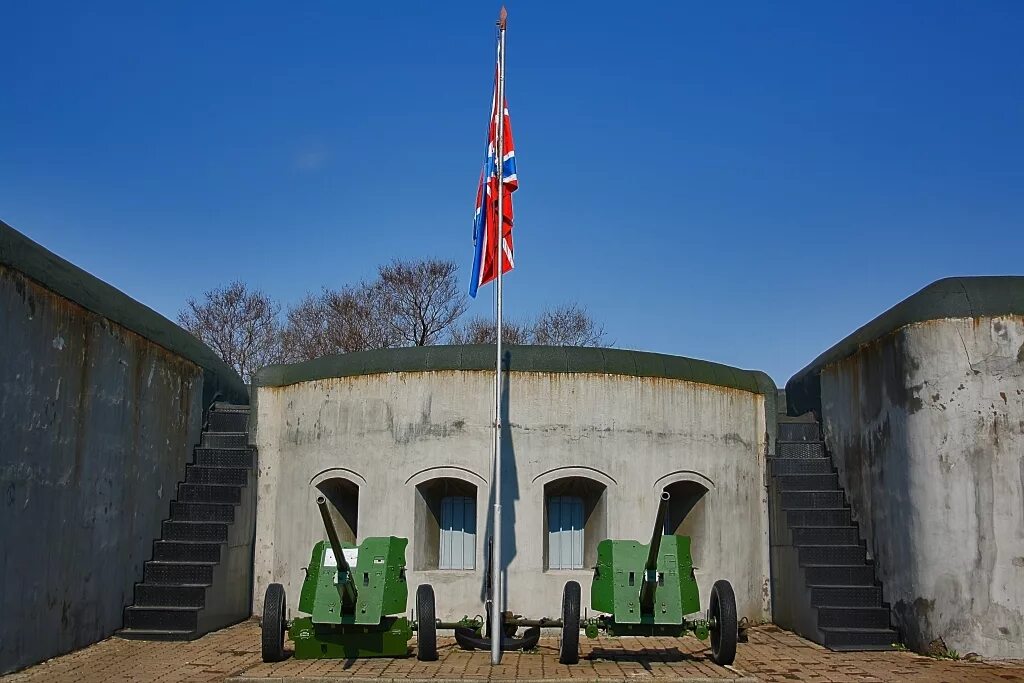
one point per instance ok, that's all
(481, 330)
(332, 322)
(421, 300)
(240, 324)
(567, 325)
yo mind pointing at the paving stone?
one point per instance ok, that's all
(770, 654)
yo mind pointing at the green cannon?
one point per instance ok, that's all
(649, 590)
(352, 595)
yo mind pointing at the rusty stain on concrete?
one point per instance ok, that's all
(929, 487)
(95, 430)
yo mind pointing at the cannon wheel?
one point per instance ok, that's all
(273, 625)
(569, 643)
(724, 633)
(426, 624)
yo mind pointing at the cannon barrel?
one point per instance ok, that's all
(650, 580)
(346, 587)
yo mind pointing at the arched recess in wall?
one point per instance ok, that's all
(445, 514)
(688, 509)
(341, 488)
(575, 504)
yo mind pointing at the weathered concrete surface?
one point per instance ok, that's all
(926, 426)
(390, 431)
(96, 425)
(101, 400)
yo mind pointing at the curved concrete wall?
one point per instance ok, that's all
(389, 431)
(97, 420)
(926, 426)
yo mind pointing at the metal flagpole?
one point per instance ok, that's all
(498, 602)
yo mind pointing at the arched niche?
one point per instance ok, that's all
(575, 521)
(688, 509)
(445, 518)
(341, 489)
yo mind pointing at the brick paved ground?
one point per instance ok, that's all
(769, 655)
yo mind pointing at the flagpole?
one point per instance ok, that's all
(498, 603)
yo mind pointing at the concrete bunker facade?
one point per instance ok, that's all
(923, 411)
(400, 442)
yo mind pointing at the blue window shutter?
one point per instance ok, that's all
(458, 533)
(565, 532)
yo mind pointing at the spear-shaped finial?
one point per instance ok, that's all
(502, 18)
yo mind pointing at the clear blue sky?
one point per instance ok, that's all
(742, 182)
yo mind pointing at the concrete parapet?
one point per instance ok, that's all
(923, 409)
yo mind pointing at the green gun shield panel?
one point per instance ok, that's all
(619, 575)
(378, 576)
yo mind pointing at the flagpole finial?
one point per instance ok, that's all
(502, 18)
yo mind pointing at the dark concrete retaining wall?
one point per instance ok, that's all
(101, 400)
(923, 409)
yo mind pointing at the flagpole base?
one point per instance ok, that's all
(468, 639)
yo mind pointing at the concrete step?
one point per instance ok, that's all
(166, 595)
(840, 575)
(186, 551)
(223, 406)
(812, 500)
(852, 639)
(781, 466)
(162, 618)
(178, 573)
(824, 535)
(846, 596)
(194, 531)
(225, 476)
(800, 449)
(819, 517)
(228, 421)
(853, 617)
(209, 493)
(855, 555)
(808, 482)
(202, 512)
(225, 440)
(798, 431)
(223, 457)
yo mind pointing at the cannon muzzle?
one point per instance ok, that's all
(346, 585)
(650, 582)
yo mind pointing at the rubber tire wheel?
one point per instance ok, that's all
(273, 625)
(725, 633)
(569, 645)
(426, 624)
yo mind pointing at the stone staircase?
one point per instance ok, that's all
(200, 577)
(824, 584)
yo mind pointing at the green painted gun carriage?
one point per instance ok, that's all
(649, 590)
(354, 597)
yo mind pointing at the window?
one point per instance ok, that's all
(565, 532)
(575, 520)
(458, 533)
(444, 525)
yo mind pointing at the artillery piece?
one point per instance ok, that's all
(649, 590)
(351, 594)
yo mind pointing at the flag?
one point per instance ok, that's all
(485, 220)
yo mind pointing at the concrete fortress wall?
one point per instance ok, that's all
(923, 409)
(620, 425)
(101, 400)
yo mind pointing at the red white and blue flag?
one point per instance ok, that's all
(486, 220)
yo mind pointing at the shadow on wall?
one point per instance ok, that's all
(343, 501)
(687, 516)
(509, 492)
